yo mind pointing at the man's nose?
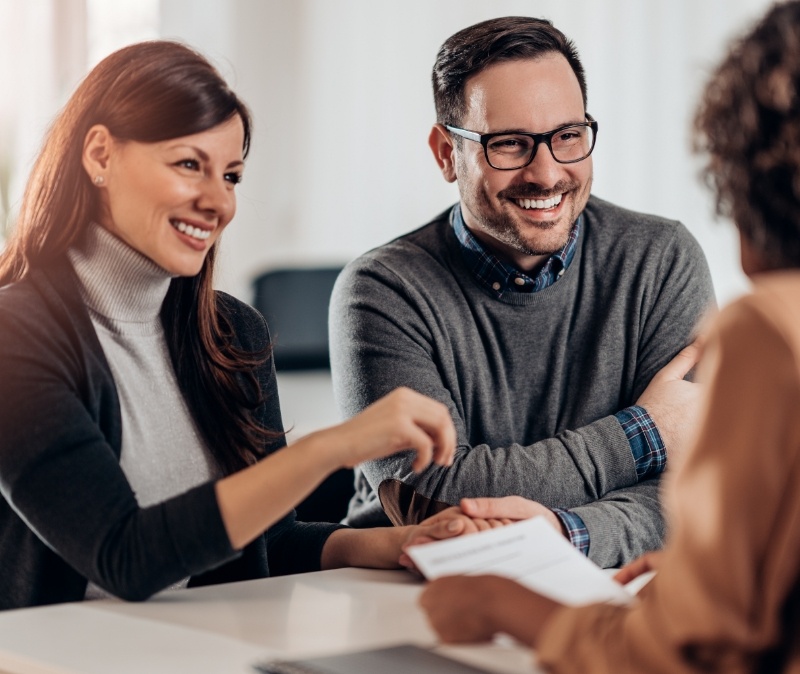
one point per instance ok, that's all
(543, 169)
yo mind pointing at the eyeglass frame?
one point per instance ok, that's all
(538, 139)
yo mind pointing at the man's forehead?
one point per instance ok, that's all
(516, 94)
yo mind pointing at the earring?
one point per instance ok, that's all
(99, 180)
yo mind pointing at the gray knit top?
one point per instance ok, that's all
(163, 453)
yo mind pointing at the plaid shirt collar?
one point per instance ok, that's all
(500, 277)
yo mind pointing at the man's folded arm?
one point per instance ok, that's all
(570, 470)
(623, 524)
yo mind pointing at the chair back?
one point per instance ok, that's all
(295, 304)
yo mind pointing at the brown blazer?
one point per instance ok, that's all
(727, 595)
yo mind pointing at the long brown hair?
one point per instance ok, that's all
(149, 92)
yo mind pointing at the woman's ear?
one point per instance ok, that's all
(441, 144)
(97, 148)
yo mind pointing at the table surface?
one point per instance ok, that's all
(225, 628)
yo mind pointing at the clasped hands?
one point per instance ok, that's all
(465, 609)
(473, 515)
(472, 608)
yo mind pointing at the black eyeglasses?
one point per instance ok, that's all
(508, 151)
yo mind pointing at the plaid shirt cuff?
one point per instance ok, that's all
(576, 529)
(646, 444)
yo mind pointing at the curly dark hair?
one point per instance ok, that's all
(748, 124)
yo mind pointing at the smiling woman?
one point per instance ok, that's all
(141, 444)
(169, 200)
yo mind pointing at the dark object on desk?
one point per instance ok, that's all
(393, 660)
(295, 304)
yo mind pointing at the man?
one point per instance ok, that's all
(538, 313)
(726, 597)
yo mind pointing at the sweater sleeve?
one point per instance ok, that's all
(623, 524)
(61, 476)
(722, 599)
(627, 521)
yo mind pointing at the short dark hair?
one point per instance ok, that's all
(475, 48)
(748, 124)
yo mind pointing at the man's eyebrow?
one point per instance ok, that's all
(560, 126)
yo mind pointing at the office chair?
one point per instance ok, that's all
(295, 304)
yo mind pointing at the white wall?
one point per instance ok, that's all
(33, 84)
(340, 90)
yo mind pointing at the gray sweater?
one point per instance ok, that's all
(532, 380)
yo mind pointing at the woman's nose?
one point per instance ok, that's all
(217, 197)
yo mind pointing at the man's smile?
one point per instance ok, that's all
(539, 204)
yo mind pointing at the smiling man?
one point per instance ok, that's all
(546, 319)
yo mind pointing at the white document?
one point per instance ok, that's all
(530, 552)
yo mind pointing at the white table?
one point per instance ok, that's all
(226, 628)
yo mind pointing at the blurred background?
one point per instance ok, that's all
(340, 92)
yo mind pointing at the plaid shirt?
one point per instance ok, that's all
(499, 277)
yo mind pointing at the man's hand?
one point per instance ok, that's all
(446, 524)
(674, 403)
(465, 609)
(509, 509)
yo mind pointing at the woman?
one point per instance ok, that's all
(726, 597)
(141, 444)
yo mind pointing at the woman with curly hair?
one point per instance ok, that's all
(141, 444)
(726, 597)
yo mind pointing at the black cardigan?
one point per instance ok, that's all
(68, 514)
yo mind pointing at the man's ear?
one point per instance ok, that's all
(441, 144)
(97, 148)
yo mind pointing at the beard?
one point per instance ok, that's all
(507, 229)
(502, 227)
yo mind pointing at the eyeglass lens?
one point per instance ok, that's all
(511, 151)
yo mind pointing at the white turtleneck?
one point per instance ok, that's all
(163, 453)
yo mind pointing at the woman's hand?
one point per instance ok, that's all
(649, 561)
(253, 499)
(466, 609)
(401, 420)
(446, 524)
(383, 547)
